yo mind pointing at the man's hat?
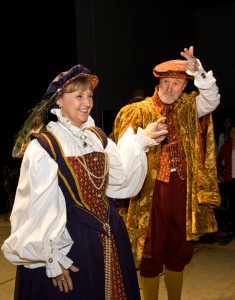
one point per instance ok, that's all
(169, 69)
(65, 78)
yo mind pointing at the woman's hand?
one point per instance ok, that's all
(64, 281)
(156, 130)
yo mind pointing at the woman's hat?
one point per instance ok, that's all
(44, 106)
(65, 78)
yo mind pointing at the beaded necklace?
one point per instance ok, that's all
(91, 175)
(84, 136)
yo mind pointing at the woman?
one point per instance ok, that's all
(67, 237)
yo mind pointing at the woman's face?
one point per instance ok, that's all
(76, 106)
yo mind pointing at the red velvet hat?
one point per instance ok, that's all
(169, 69)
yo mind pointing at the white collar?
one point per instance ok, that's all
(74, 129)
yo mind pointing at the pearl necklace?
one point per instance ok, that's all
(91, 175)
(84, 136)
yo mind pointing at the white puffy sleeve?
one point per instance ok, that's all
(209, 97)
(127, 164)
(38, 233)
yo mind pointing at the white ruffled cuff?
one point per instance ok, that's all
(53, 268)
(143, 139)
(200, 74)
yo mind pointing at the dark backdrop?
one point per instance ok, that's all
(120, 41)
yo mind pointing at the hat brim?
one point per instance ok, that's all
(93, 79)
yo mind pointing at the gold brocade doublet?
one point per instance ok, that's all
(194, 157)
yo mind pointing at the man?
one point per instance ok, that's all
(176, 204)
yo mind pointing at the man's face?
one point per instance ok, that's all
(170, 89)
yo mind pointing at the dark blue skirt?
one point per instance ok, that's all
(87, 255)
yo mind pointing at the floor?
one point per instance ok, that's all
(211, 273)
(209, 276)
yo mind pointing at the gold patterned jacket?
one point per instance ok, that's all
(197, 147)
